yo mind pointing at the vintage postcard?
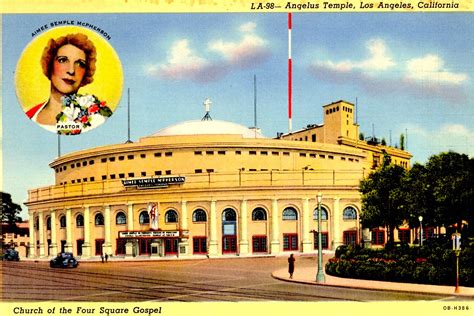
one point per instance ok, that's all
(176, 157)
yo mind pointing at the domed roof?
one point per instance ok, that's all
(209, 127)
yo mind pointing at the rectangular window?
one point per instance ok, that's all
(157, 154)
(312, 155)
(78, 164)
(112, 176)
(72, 166)
(168, 154)
(121, 158)
(252, 152)
(290, 242)
(104, 177)
(92, 179)
(103, 160)
(121, 175)
(350, 237)
(275, 153)
(112, 159)
(322, 156)
(158, 173)
(209, 170)
(198, 153)
(229, 244)
(168, 172)
(259, 243)
(143, 174)
(330, 157)
(84, 163)
(131, 174)
(285, 153)
(238, 152)
(91, 162)
(404, 235)
(197, 170)
(264, 153)
(78, 180)
(302, 154)
(199, 245)
(343, 158)
(378, 237)
(221, 152)
(73, 181)
(324, 240)
(209, 152)
(142, 155)
(84, 179)
(130, 157)
(313, 138)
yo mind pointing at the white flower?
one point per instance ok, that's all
(71, 112)
(85, 101)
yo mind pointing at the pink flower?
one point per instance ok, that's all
(84, 119)
(102, 104)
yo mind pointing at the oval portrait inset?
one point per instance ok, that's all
(69, 80)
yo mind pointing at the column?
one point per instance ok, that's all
(86, 247)
(32, 245)
(183, 222)
(275, 243)
(41, 234)
(68, 247)
(107, 247)
(130, 218)
(213, 251)
(243, 243)
(306, 217)
(54, 245)
(337, 234)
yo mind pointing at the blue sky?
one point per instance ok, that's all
(410, 72)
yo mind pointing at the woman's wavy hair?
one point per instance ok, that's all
(80, 41)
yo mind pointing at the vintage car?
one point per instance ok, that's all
(64, 260)
(11, 255)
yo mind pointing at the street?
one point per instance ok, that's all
(215, 280)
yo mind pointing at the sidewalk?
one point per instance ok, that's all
(308, 276)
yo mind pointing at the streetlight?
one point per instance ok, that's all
(320, 275)
(420, 218)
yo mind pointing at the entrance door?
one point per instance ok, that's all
(171, 246)
(144, 247)
(229, 244)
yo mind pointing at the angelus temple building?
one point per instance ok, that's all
(211, 188)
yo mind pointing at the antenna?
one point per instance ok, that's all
(289, 74)
(406, 139)
(357, 114)
(390, 133)
(128, 116)
(59, 145)
(255, 101)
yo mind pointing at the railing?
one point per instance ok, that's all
(212, 181)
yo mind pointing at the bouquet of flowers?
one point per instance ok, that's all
(81, 112)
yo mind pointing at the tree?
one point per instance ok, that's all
(402, 141)
(419, 196)
(361, 136)
(9, 210)
(450, 176)
(384, 198)
(383, 142)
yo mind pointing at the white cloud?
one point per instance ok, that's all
(223, 56)
(448, 137)
(379, 59)
(431, 68)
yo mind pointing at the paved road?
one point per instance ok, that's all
(222, 280)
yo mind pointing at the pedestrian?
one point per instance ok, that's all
(291, 265)
(102, 257)
(106, 257)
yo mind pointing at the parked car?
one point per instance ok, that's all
(11, 255)
(64, 260)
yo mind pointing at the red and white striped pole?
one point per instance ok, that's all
(289, 74)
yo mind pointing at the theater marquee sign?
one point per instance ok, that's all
(148, 234)
(150, 183)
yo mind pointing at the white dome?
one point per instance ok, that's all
(214, 127)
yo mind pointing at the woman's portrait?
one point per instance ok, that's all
(69, 63)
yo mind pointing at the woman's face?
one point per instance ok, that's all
(69, 67)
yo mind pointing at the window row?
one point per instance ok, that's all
(199, 215)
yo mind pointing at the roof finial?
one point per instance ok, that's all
(207, 106)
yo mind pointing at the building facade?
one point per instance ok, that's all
(208, 188)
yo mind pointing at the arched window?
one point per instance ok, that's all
(199, 215)
(349, 213)
(99, 219)
(324, 214)
(121, 219)
(229, 215)
(62, 221)
(144, 218)
(290, 214)
(79, 220)
(48, 223)
(171, 216)
(259, 214)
